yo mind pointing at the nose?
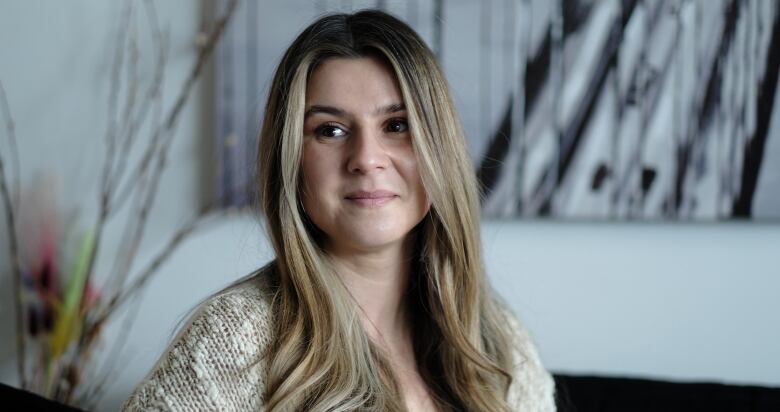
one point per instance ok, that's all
(367, 154)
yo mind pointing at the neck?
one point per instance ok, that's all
(378, 282)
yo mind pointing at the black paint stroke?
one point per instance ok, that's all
(710, 102)
(599, 177)
(648, 177)
(490, 167)
(649, 91)
(574, 130)
(754, 150)
(537, 73)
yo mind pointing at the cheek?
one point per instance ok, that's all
(413, 178)
(306, 174)
(309, 178)
(319, 176)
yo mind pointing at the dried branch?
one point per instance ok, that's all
(109, 375)
(14, 150)
(145, 274)
(132, 93)
(93, 327)
(130, 236)
(113, 97)
(62, 374)
(160, 133)
(105, 192)
(153, 94)
(166, 136)
(132, 89)
(153, 99)
(13, 243)
(162, 137)
(210, 212)
(160, 143)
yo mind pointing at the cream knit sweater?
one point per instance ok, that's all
(210, 365)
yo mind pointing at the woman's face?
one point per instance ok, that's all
(362, 187)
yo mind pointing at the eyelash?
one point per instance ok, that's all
(397, 121)
(318, 131)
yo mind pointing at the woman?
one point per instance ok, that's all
(377, 298)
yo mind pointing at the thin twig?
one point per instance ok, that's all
(202, 58)
(144, 275)
(132, 93)
(164, 134)
(105, 192)
(129, 244)
(14, 151)
(153, 93)
(113, 97)
(16, 264)
(209, 213)
(136, 287)
(162, 137)
(131, 234)
(105, 187)
(130, 293)
(109, 375)
(159, 134)
(122, 264)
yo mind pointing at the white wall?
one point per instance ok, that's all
(682, 302)
(673, 301)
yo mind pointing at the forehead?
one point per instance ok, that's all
(353, 83)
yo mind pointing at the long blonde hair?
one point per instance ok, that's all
(322, 359)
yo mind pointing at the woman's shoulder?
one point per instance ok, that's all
(532, 388)
(245, 304)
(216, 361)
(239, 315)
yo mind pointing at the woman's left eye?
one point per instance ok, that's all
(329, 131)
(397, 126)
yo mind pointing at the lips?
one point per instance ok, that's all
(370, 198)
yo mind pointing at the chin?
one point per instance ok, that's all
(372, 240)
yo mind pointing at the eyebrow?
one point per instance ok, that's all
(388, 109)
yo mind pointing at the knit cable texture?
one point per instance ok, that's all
(215, 363)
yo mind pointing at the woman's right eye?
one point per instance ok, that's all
(329, 131)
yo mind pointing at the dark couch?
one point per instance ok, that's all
(611, 394)
(578, 394)
(19, 400)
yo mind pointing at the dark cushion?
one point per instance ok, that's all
(576, 394)
(608, 394)
(27, 401)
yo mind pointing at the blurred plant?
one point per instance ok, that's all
(60, 312)
(54, 294)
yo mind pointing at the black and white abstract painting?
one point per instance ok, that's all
(573, 109)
